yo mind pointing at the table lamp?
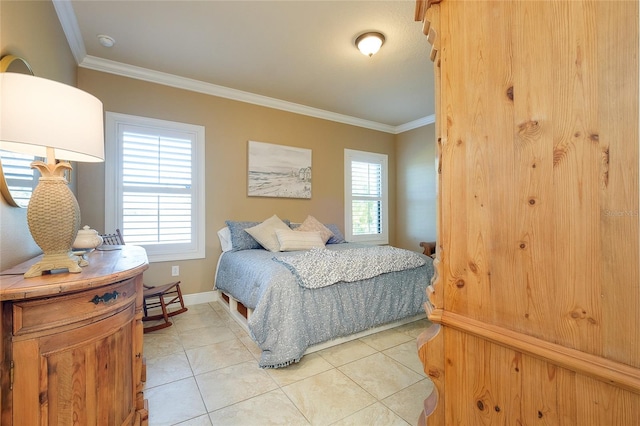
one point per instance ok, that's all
(49, 119)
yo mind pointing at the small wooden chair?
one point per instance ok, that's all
(161, 296)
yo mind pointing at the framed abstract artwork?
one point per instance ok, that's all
(279, 171)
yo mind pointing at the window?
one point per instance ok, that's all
(154, 185)
(20, 178)
(366, 207)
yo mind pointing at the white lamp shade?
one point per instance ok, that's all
(36, 113)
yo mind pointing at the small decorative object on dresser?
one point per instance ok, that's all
(87, 239)
(71, 344)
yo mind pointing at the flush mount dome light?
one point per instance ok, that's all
(106, 41)
(369, 43)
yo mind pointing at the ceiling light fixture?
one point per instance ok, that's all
(369, 43)
(106, 41)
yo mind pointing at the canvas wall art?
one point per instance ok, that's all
(279, 171)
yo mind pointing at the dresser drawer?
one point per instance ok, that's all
(49, 313)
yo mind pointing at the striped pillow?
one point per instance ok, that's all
(296, 240)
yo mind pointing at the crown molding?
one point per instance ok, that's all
(429, 119)
(69, 23)
(152, 76)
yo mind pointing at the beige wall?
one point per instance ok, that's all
(229, 125)
(415, 188)
(31, 30)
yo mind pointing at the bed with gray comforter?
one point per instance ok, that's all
(293, 310)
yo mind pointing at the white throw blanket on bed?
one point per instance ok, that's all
(319, 267)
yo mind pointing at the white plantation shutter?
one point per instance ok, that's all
(21, 179)
(159, 184)
(366, 197)
(157, 188)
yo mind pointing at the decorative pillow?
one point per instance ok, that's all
(337, 238)
(296, 240)
(240, 240)
(265, 233)
(224, 235)
(311, 224)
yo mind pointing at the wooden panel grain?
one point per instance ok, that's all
(617, 70)
(539, 392)
(26, 403)
(575, 178)
(91, 399)
(601, 404)
(523, 238)
(114, 377)
(520, 204)
(566, 397)
(505, 375)
(538, 265)
(79, 388)
(453, 194)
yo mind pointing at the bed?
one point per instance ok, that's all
(289, 309)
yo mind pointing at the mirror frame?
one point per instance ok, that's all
(11, 63)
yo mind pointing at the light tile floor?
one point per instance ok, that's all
(203, 371)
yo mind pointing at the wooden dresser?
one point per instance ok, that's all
(71, 349)
(536, 297)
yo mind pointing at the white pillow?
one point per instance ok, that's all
(265, 232)
(295, 240)
(224, 235)
(312, 224)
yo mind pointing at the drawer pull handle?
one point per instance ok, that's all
(105, 298)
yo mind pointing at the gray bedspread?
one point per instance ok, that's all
(288, 318)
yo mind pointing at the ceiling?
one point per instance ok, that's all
(292, 55)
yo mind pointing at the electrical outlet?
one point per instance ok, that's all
(175, 271)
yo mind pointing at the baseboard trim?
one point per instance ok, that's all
(197, 298)
(192, 299)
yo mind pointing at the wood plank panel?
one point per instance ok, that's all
(538, 264)
(539, 392)
(26, 396)
(602, 404)
(525, 281)
(575, 178)
(453, 196)
(618, 142)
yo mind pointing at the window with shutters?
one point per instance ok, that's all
(366, 211)
(20, 178)
(154, 177)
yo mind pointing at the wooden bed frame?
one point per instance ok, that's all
(241, 315)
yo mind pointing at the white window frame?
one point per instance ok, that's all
(114, 123)
(351, 155)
